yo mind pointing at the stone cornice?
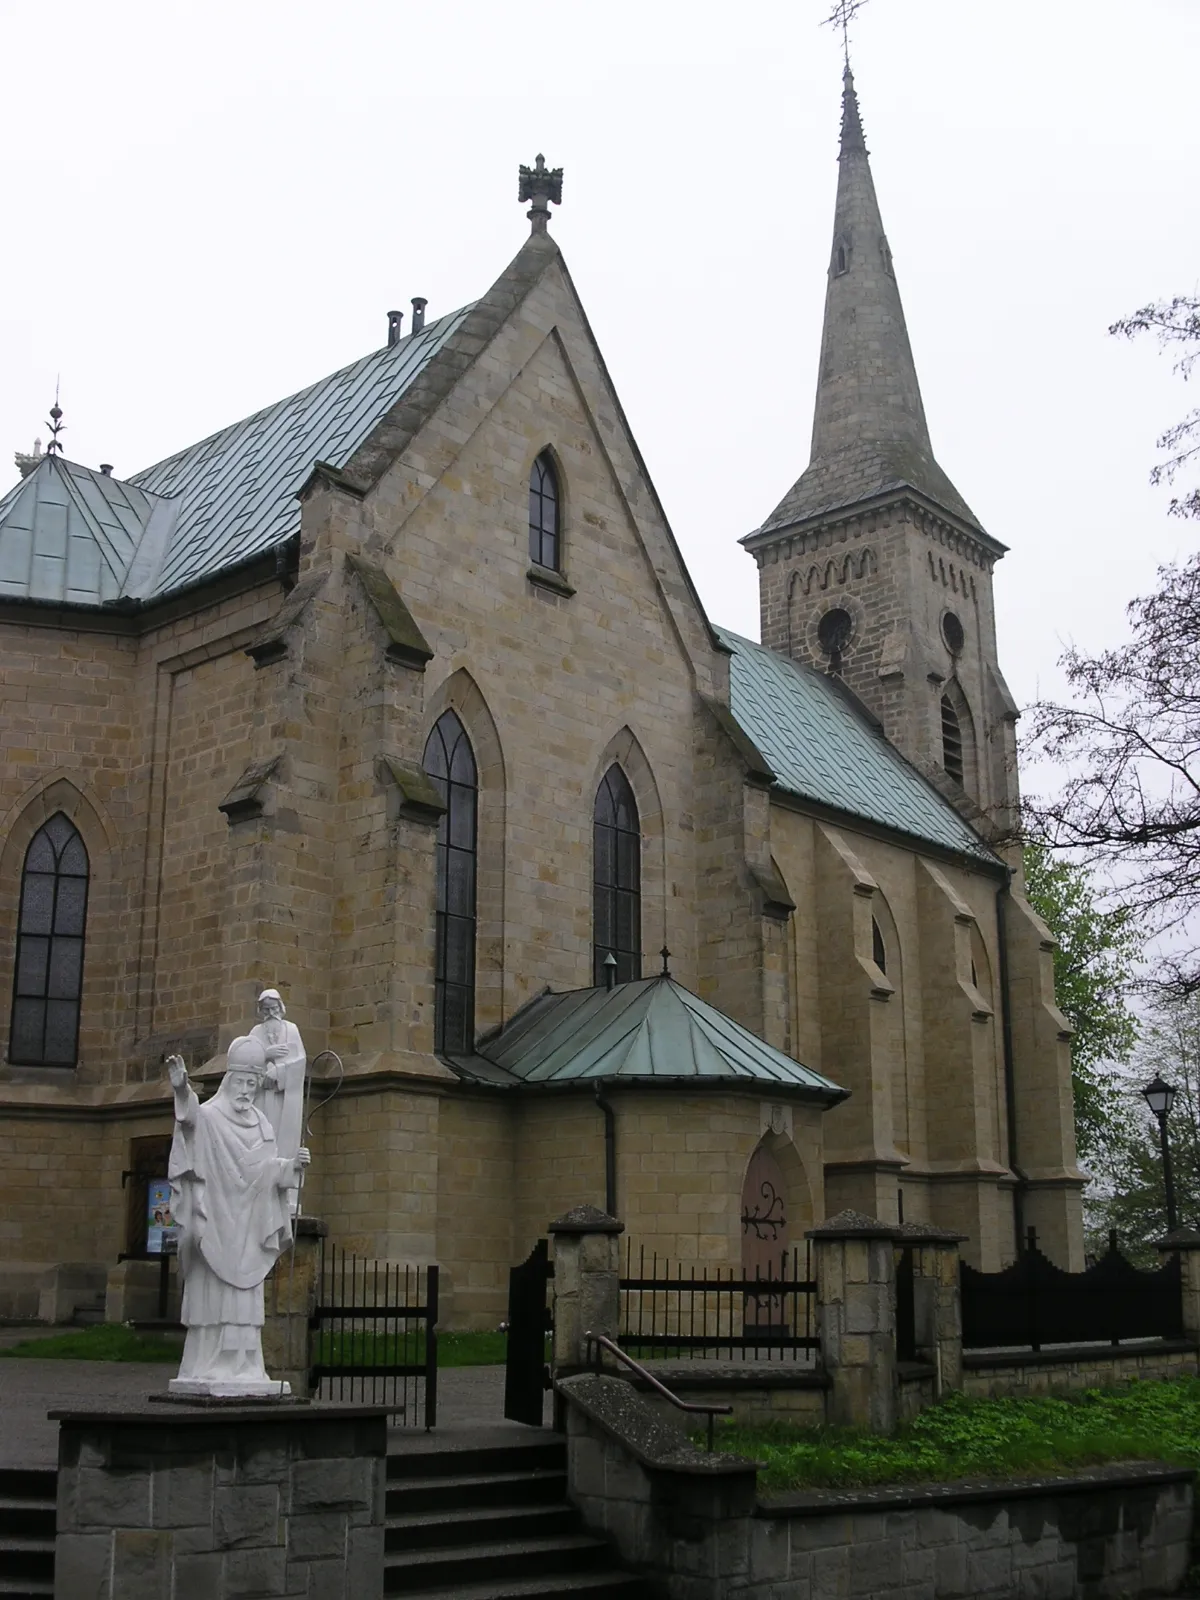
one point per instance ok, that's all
(867, 516)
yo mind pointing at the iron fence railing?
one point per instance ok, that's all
(670, 1310)
(374, 1334)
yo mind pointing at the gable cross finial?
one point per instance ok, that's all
(842, 15)
(540, 185)
(56, 425)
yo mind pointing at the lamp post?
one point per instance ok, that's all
(1160, 1097)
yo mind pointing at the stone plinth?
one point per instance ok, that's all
(856, 1318)
(1185, 1243)
(208, 1505)
(587, 1297)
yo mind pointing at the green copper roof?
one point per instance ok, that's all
(79, 537)
(821, 749)
(654, 1030)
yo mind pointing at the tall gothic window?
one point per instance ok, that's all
(49, 970)
(617, 880)
(952, 740)
(451, 765)
(543, 513)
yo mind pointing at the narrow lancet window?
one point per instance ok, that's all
(952, 741)
(543, 514)
(450, 763)
(617, 880)
(48, 981)
(878, 948)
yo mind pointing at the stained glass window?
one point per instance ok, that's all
(48, 980)
(617, 880)
(450, 763)
(543, 513)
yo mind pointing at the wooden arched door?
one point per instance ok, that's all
(765, 1236)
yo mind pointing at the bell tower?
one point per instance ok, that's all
(873, 567)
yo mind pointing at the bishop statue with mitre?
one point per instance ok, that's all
(231, 1188)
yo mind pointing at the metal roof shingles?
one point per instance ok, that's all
(820, 750)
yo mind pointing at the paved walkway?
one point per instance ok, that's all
(470, 1404)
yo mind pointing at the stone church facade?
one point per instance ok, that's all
(398, 696)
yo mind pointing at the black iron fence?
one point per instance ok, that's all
(374, 1335)
(1033, 1303)
(670, 1311)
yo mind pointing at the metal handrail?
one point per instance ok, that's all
(606, 1343)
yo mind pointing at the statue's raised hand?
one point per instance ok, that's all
(176, 1071)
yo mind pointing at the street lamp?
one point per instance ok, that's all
(1160, 1097)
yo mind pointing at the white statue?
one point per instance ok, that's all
(283, 1084)
(229, 1187)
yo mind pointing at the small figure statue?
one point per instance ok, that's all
(283, 1085)
(229, 1186)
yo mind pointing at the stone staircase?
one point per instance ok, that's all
(27, 1497)
(494, 1524)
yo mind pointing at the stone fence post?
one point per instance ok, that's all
(587, 1261)
(289, 1300)
(937, 1299)
(856, 1318)
(1185, 1242)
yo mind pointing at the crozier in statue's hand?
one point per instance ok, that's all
(176, 1071)
(302, 1158)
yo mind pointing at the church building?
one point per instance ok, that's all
(398, 697)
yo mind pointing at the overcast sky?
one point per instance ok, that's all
(210, 205)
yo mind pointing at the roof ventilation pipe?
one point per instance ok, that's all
(395, 319)
(419, 304)
(106, 469)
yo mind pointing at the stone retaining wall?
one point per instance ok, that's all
(205, 1505)
(1026, 1372)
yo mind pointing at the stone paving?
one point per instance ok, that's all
(470, 1403)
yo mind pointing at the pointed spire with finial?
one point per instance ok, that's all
(56, 426)
(541, 185)
(869, 429)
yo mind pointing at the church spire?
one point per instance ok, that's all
(869, 430)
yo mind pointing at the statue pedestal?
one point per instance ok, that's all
(221, 1501)
(190, 1388)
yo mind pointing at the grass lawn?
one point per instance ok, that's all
(115, 1341)
(103, 1341)
(961, 1438)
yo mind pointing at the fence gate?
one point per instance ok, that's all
(525, 1375)
(375, 1335)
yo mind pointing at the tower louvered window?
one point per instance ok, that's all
(543, 513)
(450, 763)
(48, 981)
(617, 880)
(952, 741)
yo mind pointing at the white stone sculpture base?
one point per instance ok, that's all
(230, 1388)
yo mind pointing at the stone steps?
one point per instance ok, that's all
(27, 1512)
(493, 1524)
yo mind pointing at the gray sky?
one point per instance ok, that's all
(213, 204)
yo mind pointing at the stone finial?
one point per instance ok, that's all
(540, 185)
(28, 463)
(587, 1219)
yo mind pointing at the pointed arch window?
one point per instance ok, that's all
(48, 981)
(617, 879)
(450, 763)
(544, 498)
(878, 947)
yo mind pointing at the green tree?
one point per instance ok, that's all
(1093, 978)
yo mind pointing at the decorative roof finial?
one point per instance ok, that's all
(666, 961)
(54, 448)
(541, 185)
(842, 15)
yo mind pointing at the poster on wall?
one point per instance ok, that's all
(162, 1231)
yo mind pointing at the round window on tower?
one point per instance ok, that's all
(834, 632)
(953, 633)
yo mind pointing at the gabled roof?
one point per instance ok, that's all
(820, 748)
(79, 537)
(651, 1031)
